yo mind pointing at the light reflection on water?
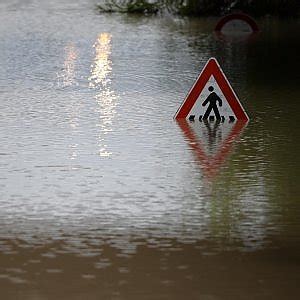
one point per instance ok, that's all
(103, 193)
(67, 76)
(101, 67)
(106, 98)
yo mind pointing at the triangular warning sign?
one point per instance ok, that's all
(221, 138)
(211, 97)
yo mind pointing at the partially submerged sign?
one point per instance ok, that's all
(237, 23)
(211, 98)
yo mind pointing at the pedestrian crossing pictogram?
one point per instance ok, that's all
(212, 98)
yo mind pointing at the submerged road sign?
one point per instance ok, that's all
(211, 98)
(237, 23)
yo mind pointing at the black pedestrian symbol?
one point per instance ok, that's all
(212, 99)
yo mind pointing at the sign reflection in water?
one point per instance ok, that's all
(235, 200)
(211, 142)
(100, 80)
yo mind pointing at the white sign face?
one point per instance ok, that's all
(211, 104)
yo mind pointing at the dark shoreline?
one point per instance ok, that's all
(196, 8)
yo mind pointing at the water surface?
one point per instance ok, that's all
(104, 196)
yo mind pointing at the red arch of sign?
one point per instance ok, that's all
(237, 16)
(211, 68)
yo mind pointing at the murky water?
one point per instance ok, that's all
(104, 196)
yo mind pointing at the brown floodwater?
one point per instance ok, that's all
(104, 196)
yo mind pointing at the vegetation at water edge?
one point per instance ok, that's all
(203, 7)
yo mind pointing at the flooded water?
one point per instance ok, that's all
(104, 196)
